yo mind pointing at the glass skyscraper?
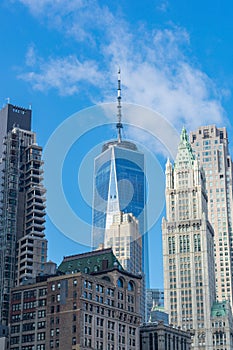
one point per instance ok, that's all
(120, 186)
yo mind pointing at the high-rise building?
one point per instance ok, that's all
(210, 145)
(23, 247)
(124, 238)
(13, 116)
(188, 247)
(120, 186)
(188, 252)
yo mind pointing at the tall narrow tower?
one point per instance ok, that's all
(188, 247)
(210, 145)
(23, 247)
(119, 186)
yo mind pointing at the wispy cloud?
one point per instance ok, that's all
(63, 74)
(157, 70)
(163, 6)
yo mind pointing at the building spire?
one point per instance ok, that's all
(119, 124)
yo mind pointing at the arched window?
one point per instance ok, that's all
(130, 286)
(120, 282)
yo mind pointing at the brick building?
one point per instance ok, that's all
(77, 310)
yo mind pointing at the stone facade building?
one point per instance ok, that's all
(157, 336)
(188, 251)
(210, 146)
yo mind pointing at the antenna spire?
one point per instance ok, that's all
(119, 124)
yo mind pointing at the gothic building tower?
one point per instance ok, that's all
(188, 248)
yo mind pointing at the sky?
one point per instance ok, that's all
(61, 58)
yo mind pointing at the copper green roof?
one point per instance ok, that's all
(97, 260)
(185, 156)
(219, 309)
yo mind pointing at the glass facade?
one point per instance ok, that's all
(119, 185)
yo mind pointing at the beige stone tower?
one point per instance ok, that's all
(188, 248)
(210, 145)
(125, 240)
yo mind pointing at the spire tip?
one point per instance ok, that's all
(119, 124)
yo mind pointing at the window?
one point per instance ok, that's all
(41, 336)
(42, 292)
(41, 325)
(197, 243)
(130, 286)
(171, 245)
(120, 283)
(41, 313)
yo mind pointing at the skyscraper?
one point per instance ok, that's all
(11, 116)
(210, 145)
(23, 247)
(124, 238)
(188, 247)
(120, 186)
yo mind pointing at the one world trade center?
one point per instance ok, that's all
(120, 186)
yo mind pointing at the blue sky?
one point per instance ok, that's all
(61, 56)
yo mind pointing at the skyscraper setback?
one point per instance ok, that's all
(124, 238)
(210, 145)
(23, 247)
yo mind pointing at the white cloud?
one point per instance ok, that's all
(63, 74)
(157, 68)
(31, 56)
(51, 7)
